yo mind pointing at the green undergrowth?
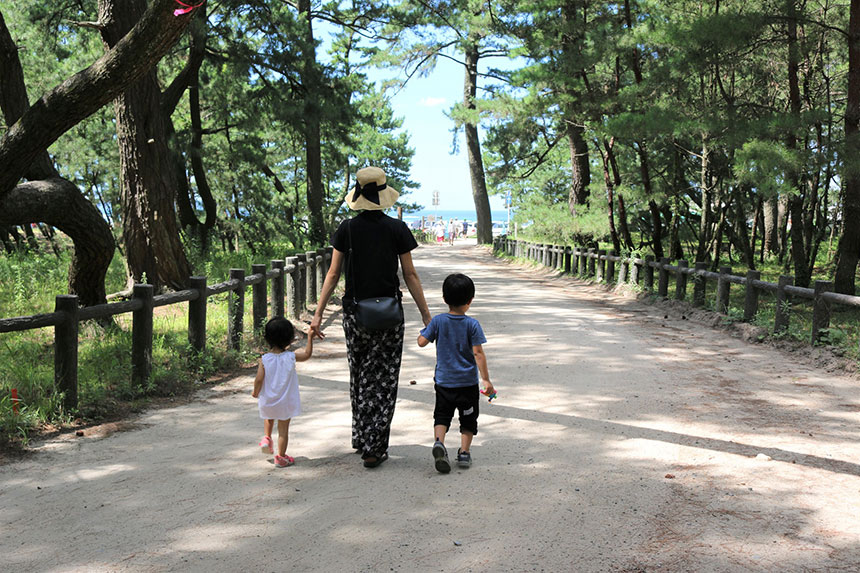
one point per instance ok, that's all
(29, 284)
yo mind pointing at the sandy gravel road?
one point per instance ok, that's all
(620, 441)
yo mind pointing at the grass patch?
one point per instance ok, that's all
(28, 285)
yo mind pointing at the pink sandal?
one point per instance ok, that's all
(266, 445)
(284, 461)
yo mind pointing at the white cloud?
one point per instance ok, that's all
(432, 101)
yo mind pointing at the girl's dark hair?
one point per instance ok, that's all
(458, 289)
(279, 332)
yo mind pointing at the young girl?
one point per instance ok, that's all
(277, 386)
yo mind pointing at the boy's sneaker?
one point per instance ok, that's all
(266, 445)
(284, 461)
(440, 454)
(464, 459)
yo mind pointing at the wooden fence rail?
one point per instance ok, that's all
(601, 265)
(296, 284)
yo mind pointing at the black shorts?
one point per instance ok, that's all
(465, 399)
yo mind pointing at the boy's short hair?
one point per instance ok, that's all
(458, 289)
(279, 332)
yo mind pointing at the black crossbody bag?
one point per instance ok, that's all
(375, 313)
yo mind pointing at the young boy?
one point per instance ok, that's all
(459, 359)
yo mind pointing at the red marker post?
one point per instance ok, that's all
(15, 400)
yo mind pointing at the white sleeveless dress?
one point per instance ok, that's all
(279, 398)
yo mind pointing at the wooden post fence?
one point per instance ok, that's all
(591, 263)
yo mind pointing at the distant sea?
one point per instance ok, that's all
(467, 215)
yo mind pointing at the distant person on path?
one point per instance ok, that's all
(369, 247)
(440, 232)
(276, 386)
(465, 228)
(460, 359)
(452, 230)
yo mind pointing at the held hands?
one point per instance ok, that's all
(316, 328)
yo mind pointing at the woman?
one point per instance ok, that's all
(376, 242)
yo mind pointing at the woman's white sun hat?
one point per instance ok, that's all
(371, 191)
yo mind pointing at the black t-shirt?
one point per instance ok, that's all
(377, 242)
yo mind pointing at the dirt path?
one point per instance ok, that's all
(620, 441)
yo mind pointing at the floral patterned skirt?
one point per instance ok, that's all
(374, 371)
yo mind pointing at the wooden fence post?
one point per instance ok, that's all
(663, 278)
(197, 315)
(783, 305)
(278, 288)
(301, 284)
(623, 270)
(610, 267)
(311, 279)
(634, 272)
(259, 297)
(566, 263)
(700, 284)
(751, 295)
(820, 310)
(649, 273)
(320, 276)
(141, 335)
(681, 280)
(236, 310)
(66, 350)
(601, 265)
(591, 262)
(292, 281)
(723, 286)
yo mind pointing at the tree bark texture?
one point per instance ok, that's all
(802, 274)
(771, 226)
(50, 199)
(313, 148)
(148, 186)
(849, 242)
(473, 145)
(60, 203)
(610, 192)
(580, 170)
(86, 92)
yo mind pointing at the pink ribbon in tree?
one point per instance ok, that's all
(186, 8)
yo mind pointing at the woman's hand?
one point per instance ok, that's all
(316, 327)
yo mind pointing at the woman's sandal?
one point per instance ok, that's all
(374, 461)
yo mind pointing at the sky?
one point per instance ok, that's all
(422, 104)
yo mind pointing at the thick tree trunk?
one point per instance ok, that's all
(679, 185)
(473, 146)
(59, 203)
(849, 242)
(771, 227)
(580, 171)
(740, 234)
(195, 151)
(313, 148)
(84, 93)
(798, 245)
(656, 229)
(188, 79)
(622, 210)
(50, 199)
(706, 220)
(150, 232)
(609, 181)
